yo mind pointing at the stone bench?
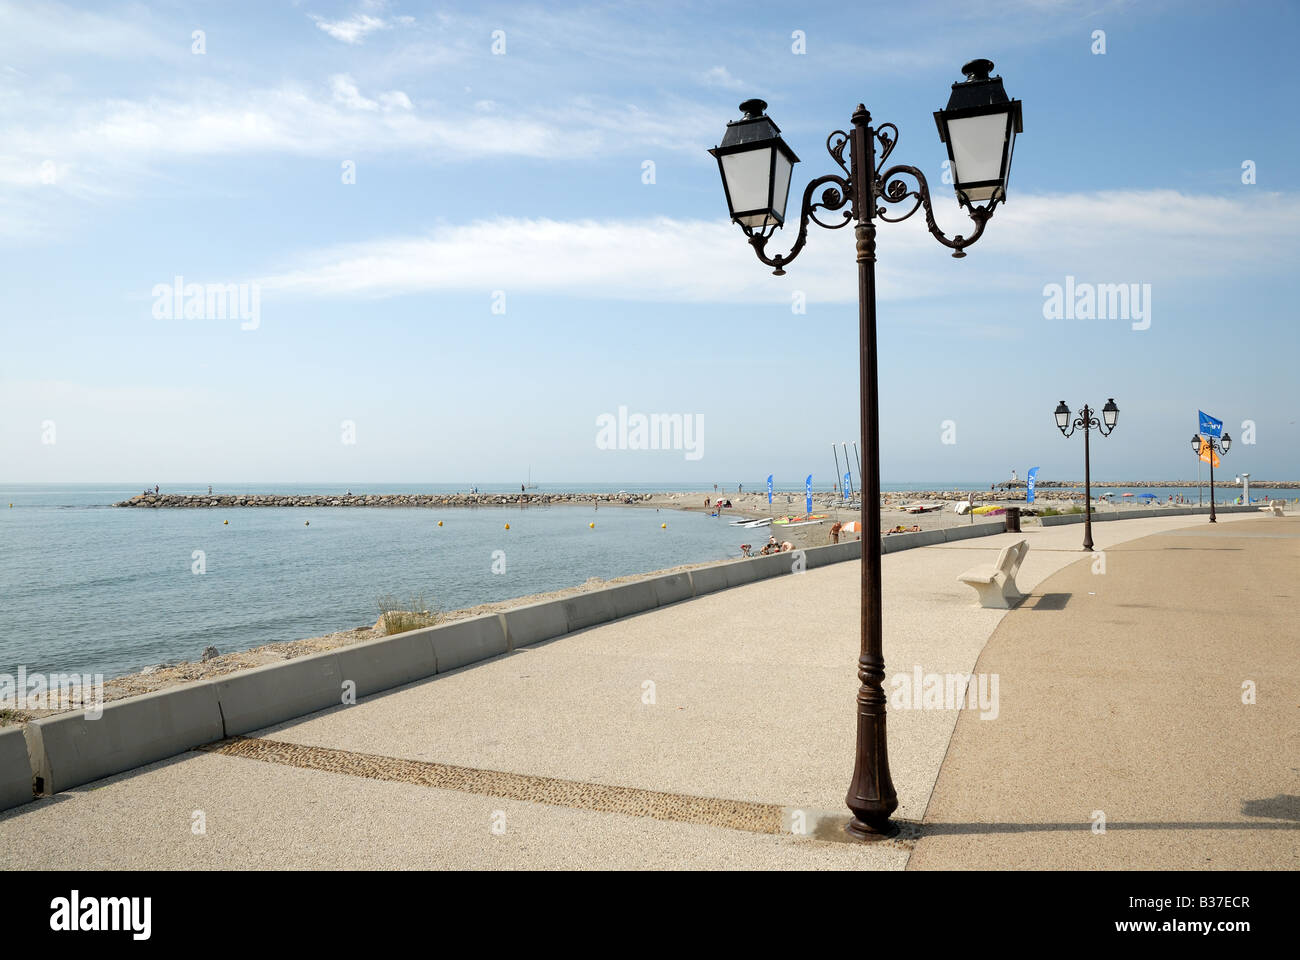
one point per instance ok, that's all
(995, 583)
(1276, 507)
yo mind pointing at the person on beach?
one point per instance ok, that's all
(836, 527)
(155, 488)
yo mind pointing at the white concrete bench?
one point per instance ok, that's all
(1276, 506)
(996, 582)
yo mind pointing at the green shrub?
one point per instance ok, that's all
(398, 617)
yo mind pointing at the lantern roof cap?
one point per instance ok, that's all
(978, 89)
(755, 126)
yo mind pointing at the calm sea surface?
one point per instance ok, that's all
(88, 588)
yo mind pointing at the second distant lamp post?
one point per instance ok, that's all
(1215, 446)
(979, 126)
(1088, 420)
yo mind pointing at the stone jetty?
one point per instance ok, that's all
(374, 499)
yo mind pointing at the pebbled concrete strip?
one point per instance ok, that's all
(630, 801)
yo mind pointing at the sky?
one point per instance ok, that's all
(472, 231)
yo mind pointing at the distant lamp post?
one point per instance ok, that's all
(1088, 420)
(1203, 445)
(979, 126)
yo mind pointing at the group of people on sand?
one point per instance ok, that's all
(769, 548)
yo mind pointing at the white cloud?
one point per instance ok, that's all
(721, 77)
(102, 145)
(1130, 237)
(345, 92)
(354, 29)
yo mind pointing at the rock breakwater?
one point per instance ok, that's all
(196, 500)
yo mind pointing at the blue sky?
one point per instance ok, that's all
(127, 159)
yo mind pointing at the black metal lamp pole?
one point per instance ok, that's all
(755, 164)
(1214, 446)
(1105, 426)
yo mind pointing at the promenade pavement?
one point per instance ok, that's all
(707, 734)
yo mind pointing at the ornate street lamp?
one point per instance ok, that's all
(1088, 420)
(978, 125)
(1199, 444)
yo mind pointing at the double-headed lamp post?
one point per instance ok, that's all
(1200, 444)
(1088, 420)
(979, 127)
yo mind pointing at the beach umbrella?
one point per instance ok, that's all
(1147, 496)
(1128, 494)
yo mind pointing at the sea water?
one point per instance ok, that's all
(86, 587)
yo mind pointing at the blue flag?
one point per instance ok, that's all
(1208, 426)
(769, 489)
(1033, 481)
(848, 484)
(807, 494)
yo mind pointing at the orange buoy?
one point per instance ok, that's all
(507, 526)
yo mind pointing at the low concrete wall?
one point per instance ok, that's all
(262, 696)
(535, 623)
(968, 530)
(467, 641)
(833, 553)
(708, 579)
(632, 598)
(587, 609)
(70, 749)
(15, 768)
(673, 588)
(389, 662)
(1104, 515)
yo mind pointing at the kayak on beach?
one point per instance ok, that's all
(793, 521)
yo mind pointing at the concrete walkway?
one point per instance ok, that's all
(1122, 698)
(696, 735)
